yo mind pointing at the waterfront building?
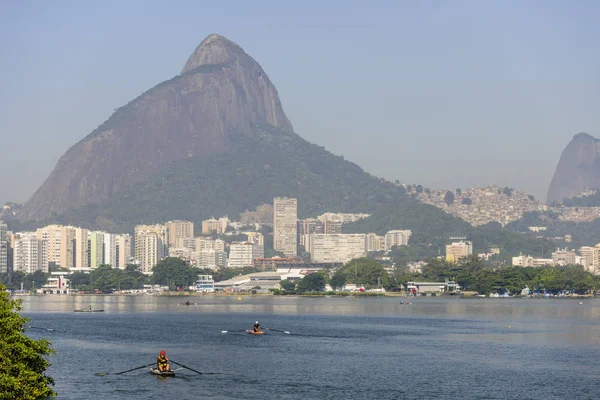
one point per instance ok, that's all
(339, 248)
(564, 257)
(67, 247)
(242, 254)
(458, 250)
(285, 228)
(51, 237)
(109, 250)
(178, 229)
(397, 238)
(81, 250)
(150, 246)
(29, 253)
(96, 249)
(205, 284)
(122, 250)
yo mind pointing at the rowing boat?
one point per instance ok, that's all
(254, 333)
(155, 371)
(88, 310)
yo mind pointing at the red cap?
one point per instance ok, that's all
(162, 353)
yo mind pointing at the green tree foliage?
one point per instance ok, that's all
(37, 278)
(108, 279)
(22, 362)
(174, 272)
(364, 272)
(507, 191)
(338, 280)
(473, 275)
(458, 191)
(272, 163)
(287, 285)
(314, 282)
(466, 201)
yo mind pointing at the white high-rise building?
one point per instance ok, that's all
(3, 248)
(149, 246)
(123, 251)
(285, 228)
(335, 248)
(243, 254)
(397, 238)
(81, 256)
(29, 253)
(110, 250)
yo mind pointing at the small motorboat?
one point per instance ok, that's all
(155, 371)
(85, 310)
(250, 332)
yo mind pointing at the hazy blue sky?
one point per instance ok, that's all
(442, 93)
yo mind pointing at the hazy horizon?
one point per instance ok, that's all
(443, 94)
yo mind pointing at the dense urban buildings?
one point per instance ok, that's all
(150, 245)
(3, 248)
(397, 238)
(341, 248)
(242, 254)
(458, 250)
(285, 230)
(179, 230)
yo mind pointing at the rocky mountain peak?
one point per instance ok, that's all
(215, 49)
(578, 168)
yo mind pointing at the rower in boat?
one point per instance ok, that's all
(256, 327)
(187, 303)
(162, 362)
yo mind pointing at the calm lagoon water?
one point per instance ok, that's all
(339, 348)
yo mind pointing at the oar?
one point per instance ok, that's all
(277, 330)
(44, 329)
(241, 330)
(133, 369)
(193, 370)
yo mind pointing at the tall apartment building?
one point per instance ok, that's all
(179, 230)
(96, 249)
(3, 248)
(458, 250)
(397, 238)
(123, 251)
(375, 242)
(29, 253)
(339, 248)
(81, 255)
(285, 228)
(308, 226)
(210, 225)
(243, 254)
(51, 237)
(210, 258)
(587, 253)
(109, 249)
(10, 242)
(222, 225)
(183, 253)
(150, 246)
(67, 247)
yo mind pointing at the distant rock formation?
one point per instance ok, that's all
(578, 169)
(221, 91)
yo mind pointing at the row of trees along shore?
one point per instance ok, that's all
(472, 275)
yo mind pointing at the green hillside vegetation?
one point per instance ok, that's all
(251, 173)
(582, 233)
